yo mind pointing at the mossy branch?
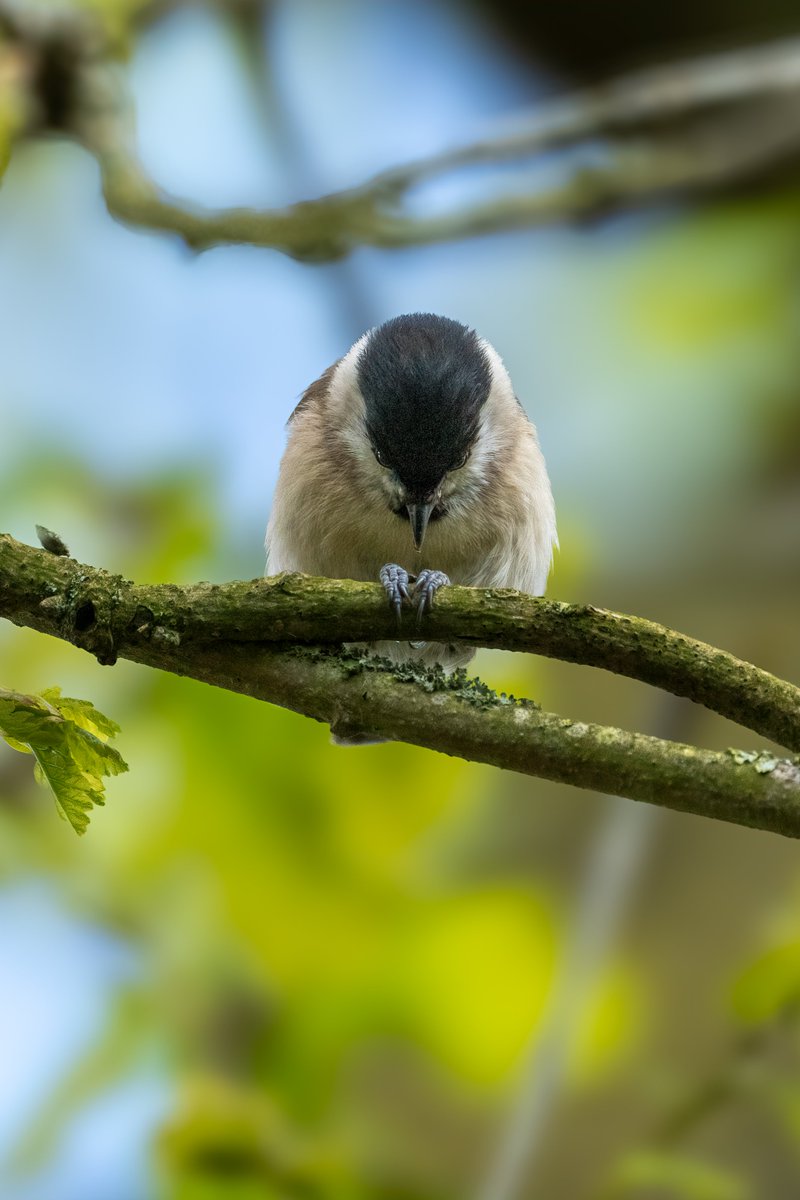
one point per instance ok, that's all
(264, 638)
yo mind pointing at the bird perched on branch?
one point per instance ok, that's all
(410, 460)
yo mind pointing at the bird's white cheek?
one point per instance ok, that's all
(451, 484)
(385, 488)
(463, 487)
(374, 481)
(393, 494)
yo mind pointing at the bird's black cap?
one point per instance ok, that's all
(424, 380)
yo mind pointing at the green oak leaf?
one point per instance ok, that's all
(69, 740)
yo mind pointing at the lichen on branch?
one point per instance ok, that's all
(265, 638)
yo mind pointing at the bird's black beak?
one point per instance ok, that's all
(419, 515)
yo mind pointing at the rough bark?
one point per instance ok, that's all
(238, 636)
(108, 615)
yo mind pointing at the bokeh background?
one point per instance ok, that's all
(276, 968)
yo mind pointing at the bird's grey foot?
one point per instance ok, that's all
(395, 584)
(427, 585)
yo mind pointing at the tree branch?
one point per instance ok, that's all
(220, 634)
(681, 129)
(107, 615)
(689, 127)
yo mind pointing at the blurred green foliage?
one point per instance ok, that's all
(294, 903)
(671, 1174)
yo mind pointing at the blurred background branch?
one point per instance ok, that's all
(609, 881)
(690, 128)
(745, 1074)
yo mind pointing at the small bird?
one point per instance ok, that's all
(410, 460)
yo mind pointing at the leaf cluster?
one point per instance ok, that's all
(69, 740)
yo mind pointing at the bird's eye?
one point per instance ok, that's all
(380, 457)
(462, 462)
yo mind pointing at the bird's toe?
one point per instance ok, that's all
(395, 584)
(427, 585)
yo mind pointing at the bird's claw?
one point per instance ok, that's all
(395, 584)
(427, 585)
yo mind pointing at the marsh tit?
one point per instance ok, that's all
(410, 460)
